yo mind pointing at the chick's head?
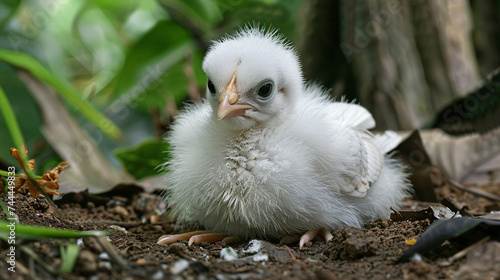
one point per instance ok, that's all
(254, 77)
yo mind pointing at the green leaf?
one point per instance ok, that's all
(203, 13)
(144, 159)
(7, 9)
(68, 257)
(269, 14)
(175, 83)
(149, 59)
(36, 233)
(10, 119)
(26, 112)
(120, 8)
(29, 63)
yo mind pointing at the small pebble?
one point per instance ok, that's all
(179, 266)
(118, 228)
(92, 244)
(106, 265)
(260, 257)
(120, 210)
(228, 254)
(86, 264)
(254, 247)
(417, 257)
(158, 275)
(104, 256)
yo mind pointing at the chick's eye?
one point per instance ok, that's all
(265, 90)
(211, 87)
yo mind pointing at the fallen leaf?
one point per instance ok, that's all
(461, 156)
(48, 182)
(492, 216)
(432, 213)
(442, 230)
(482, 262)
(424, 177)
(483, 118)
(450, 203)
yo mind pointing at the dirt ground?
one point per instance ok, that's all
(354, 253)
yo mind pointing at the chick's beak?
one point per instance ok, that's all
(228, 102)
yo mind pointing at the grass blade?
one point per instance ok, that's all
(17, 138)
(37, 233)
(68, 257)
(10, 119)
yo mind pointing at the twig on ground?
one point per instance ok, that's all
(475, 191)
(110, 249)
(292, 254)
(450, 203)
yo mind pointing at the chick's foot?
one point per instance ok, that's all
(196, 237)
(308, 236)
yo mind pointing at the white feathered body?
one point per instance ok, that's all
(315, 167)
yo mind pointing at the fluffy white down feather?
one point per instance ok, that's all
(312, 164)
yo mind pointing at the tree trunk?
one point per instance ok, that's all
(409, 59)
(442, 32)
(486, 34)
(379, 44)
(319, 39)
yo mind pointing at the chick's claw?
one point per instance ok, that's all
(196, 237)
(206, 237)
(167, 239)
(306, 237)
(312, 234)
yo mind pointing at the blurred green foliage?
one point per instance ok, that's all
(144, 159)
(123, 59)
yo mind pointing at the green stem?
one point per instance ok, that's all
(17, 138)
(12, 125)
(7, 173)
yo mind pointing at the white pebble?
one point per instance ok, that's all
(104, 256)
(228, 254)
(179, 266)
(417, 257)
(254, 247)
(158, 275)
(260, 257)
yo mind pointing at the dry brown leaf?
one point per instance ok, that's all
(461, 156)
(48, 182)
(481, 263)
(424, 176)
(431, 213)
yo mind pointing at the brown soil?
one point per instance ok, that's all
(354, 253)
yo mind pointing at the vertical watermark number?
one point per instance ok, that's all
(11, 255)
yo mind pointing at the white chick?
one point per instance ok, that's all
(267, 156)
